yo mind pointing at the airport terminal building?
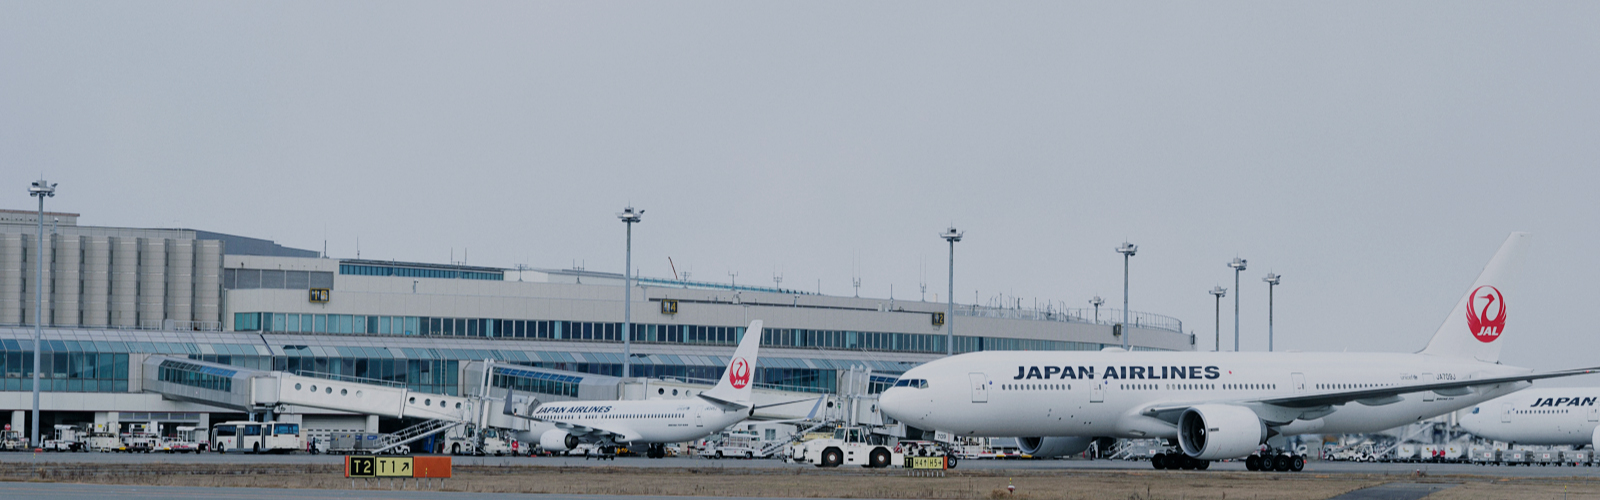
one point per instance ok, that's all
(115, 297)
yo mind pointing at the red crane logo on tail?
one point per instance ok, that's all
(739, 373)
(1484, 327)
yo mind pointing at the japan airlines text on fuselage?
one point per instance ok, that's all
(1555, 416)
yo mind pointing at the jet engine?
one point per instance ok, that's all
(557, 440)
(1595, 438)
(1051, 447)
(1216, 432)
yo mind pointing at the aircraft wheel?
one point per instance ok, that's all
(1159, 461)
(1203, 465)
(1297, 463)
(1280, 463)
(1253, 462)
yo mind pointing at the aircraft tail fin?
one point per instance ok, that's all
(1476, 326)
(734, 387)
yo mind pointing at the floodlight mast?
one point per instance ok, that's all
(1096, 301)
(1218, 291)
(1272, 282)
(41, 189)
(951, 236)
(1238, 266)
(1127, 250)
(628, 218)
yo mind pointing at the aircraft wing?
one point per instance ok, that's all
(1385, 395)
(1319, 403)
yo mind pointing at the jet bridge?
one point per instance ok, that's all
(258, 391)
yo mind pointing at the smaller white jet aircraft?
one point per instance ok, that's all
(1555, 416)
(561, 426)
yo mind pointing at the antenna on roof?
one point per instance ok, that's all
(674, 269)
(520, 269)
(358, 247)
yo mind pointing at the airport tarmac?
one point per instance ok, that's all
(1313, 467)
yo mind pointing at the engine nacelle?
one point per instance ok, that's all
(1051, 447)
(1595, 439)
(1216, 432)
(557, 440)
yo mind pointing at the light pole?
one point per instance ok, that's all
(41, 189)
(1127, 250)
(951, 236)
(1238, 267)
(1272, 282)
(1219, 291)
(1096, 301)
(628, 217)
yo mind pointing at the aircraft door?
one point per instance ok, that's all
(980, 387)
(1505, 413)
(1594, 414)
(1299, 382)
(699, 420)
(1098, 394)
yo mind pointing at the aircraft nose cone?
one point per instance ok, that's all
(894, 402)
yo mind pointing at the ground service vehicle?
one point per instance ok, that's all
(11, 440)
(257, 437)
(104, 438)
(67, 438)
(850, 446)
(188, 439)
(141, 437)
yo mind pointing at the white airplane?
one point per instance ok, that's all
(1220, 405)
(1555, 416)
(562, 426)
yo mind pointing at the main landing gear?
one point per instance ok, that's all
(1275, 462)
(1175, 461)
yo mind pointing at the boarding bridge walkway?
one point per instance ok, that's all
(260, 391)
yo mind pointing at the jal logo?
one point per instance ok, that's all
(739, 373)
(1486, 313)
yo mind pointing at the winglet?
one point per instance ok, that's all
(739, 377)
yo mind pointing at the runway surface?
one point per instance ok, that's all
(1315, 467)
(65, 491)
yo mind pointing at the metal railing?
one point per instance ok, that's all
(162, 325)
(1107, 316)
(350, 378)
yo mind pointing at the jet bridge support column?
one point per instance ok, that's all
(372, 423)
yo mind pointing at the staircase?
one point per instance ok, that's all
(413, 433)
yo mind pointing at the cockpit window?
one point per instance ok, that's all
(914, 383)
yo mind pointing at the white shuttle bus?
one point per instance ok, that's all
(257, 437)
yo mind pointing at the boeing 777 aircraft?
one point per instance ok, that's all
(1221, 405)
(561, 426)
(1556, 416)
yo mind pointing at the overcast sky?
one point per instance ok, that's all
(1376, 154)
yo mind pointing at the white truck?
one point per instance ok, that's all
(849, 446)
(12, 440)
(67, 438)
(104, 438)
(188, 439)
(141, 437)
